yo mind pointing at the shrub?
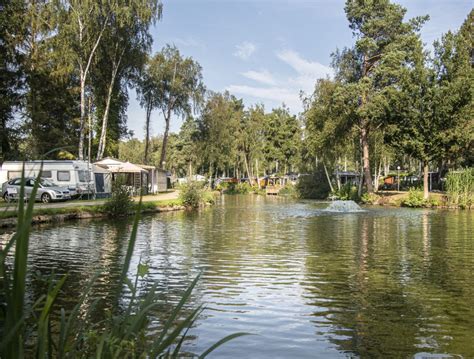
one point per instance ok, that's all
(289, 190)
(313, 186)
(414, 199)
(460, 188)
(120, 203)
(193, 195)
(370, 198)
(235, 188)
(347, 192)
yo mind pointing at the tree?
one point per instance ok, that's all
(384, 42)
(218, 125)
(82, 31)
(251, 140)
(122, 53)
(282, 139)
(148, 98)
(329, 114)
(11, 70)
(178, 86)
(431, 106)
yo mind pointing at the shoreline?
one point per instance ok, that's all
(58, 215)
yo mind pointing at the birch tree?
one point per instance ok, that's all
(178, 86)
(83, 33)
(125, 44)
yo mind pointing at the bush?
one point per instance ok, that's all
(235, 188)
(460, 188)
(289, 190)
(415, 199)
(313, 186)
(194, 195)
(347, 192)
(370, 198)
(121, 203)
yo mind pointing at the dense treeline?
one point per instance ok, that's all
(226, 139)
(389, 96)
(67, 67)
(65, 71)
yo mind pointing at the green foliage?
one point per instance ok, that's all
(172, 84)
(313, 186)
(460, 188)
(195, 195)
(347, 192)
(289, 190)
(415, 199)
(237, 188)
(369, 198)
(120, 203)
(125, 332)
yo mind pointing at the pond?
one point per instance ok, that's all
(385, 282)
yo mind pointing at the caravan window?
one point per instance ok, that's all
(83, 176)
(46, 174)
(13, 174)
(64, 176)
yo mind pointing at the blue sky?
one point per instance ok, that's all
(267, 51)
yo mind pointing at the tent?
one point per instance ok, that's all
(135, 177)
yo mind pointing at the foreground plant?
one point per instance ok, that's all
(126, 333)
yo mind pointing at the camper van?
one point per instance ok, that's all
(77, 176)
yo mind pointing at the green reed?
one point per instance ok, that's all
(460, 188)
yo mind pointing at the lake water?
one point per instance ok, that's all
(309, 283)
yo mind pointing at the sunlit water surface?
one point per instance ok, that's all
(309, 283)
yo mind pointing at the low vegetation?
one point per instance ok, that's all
(195, 195)
(120, 203)
(460, 188)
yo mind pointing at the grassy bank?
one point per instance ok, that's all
(8, 217)
(412, 199)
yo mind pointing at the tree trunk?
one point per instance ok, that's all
(89, 155)
(328, 178)
(359, 190)
(80, 149)
(258, 179)
(147, 130)
(426, 193)
(248, 171)
(83, 76)
(165, 139)
(105, 118)
(364, 139)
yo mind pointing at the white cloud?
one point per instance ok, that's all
(263, 76)
(277, 95)
(187, 42)
(283, 89)
(245, 50)
(303, 66)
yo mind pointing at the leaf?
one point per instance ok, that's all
(142, 270)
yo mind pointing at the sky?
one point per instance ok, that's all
(268, 51)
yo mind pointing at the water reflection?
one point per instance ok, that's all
(385, 282)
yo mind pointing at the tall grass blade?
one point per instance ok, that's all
(221, 342)
(16, 295)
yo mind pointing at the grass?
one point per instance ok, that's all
(27, 331)
(151, 206)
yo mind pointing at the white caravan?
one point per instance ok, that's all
(75, 175)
